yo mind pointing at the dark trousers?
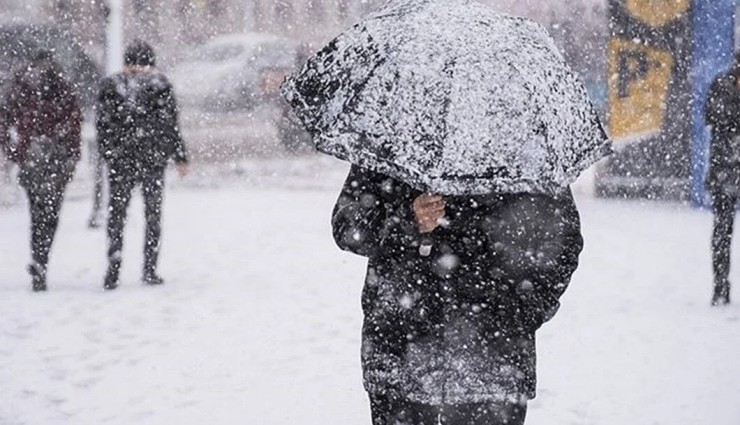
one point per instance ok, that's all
(98, 175)
(121, 188)
(387, 411)
(724, 219)
(45, 209)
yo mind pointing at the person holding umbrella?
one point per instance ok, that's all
(43, 109)
(464, 129)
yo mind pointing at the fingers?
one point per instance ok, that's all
(428, 224)
(183, 169)
(430, 201)
(435, 208)
(431, 216)
(429, 211)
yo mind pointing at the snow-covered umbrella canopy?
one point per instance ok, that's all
(452, 98)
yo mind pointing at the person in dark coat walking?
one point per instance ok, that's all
(722, 114)
(138, 133)
(44, 111)
(455, 289)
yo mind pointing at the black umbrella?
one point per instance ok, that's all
(452, 98)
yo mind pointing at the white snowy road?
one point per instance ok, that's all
(259, 320)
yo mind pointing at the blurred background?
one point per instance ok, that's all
(227, 58)
(647, 65)
(262, 322)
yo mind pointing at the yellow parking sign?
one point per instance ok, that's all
(657, 13)
(639, 81)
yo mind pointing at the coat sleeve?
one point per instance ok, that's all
(538, 299)
(171, 128)
(711, 107)
(105, 114)
(8, 119)
(4, 128)
(717, 113)
(373, 215)
(71, 129)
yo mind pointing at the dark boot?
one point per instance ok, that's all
(120, 195)
(111, 277)
(721, 294)
(152, 187)
(94, 221)
(724, 218)
(38, 277)
(151, 278)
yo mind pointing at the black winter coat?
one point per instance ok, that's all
(722, 113)
(137, 122)
(43, 108)
(456, 326)
(41, 103)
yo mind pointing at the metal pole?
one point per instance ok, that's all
(249, 20)
(113, 64)
(114, 37)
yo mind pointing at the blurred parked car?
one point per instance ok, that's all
(233, 72)
(20, 42)
(241, 72)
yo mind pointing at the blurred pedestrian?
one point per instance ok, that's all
(43, 110)
(464, 129)
(722, 114)
(138, 133)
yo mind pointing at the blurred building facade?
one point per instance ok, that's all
(10, 9)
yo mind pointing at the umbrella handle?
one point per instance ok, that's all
(425, 248)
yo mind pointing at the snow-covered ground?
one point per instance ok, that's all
(260, 318)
